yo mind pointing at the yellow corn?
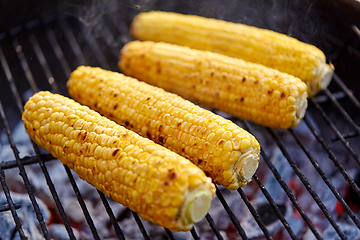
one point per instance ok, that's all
(226, 152)
(246, 90)
(249, 43)
(160, 185)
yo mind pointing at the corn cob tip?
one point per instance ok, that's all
(246, 167)
(197, 205)
(322, 79)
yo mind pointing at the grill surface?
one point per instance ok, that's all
(41, 55)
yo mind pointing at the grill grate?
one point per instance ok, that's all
(42, 54)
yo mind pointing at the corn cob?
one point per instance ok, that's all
(226, 152)
(269, 48)
(160, 185)
(246, 90)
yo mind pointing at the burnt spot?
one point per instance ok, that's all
(115, 152)
(172, 175)
(244, 79)
(83, 136)
(199, 161)
(115, 106)
(34, 129)
(194, 86)
(127, 65)
(221, 142)
(201, 81)
(159, 70)
(166, 183)
(148, 133)
(282, 95)
(127, 123)
(161, 139)
(241, 99)
(183, 149)
(111, 115)
(147, 99)
(256, 82)
(270, 91)
(96, 105)
(132, 126)
(115, 95)
(161, 128)
(212, 74)
(101, 80)
(178, 124)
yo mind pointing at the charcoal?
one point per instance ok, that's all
(26, 214)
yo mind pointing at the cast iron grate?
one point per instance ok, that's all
(41, 55)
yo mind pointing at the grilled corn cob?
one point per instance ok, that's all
(160, 185)
(246, 90)
(226, 152)
(249, 43)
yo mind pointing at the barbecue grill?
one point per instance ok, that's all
(306, 184)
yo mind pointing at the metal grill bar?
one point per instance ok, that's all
(59, 53)
(140, 225)
(338, 134)
(326, 180)
(55, 88)
(25, 161)
(117, 228)
(275, 207)
(306, 183)
(6, 207)
(39, 156)
(45, 66)
(255, 214)
(346, 90)
(342, 110)
(169, 233)
(23, 174)
(82, 203)
(213, 226)
(95, 48)
(332, 156)
(6, 190)
(232, 216)
(287, 190)
(194, 234)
